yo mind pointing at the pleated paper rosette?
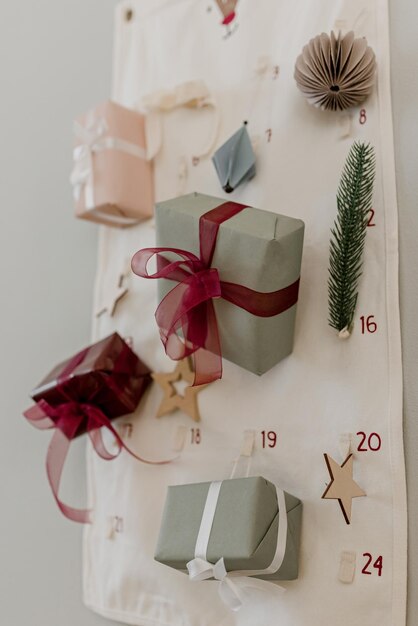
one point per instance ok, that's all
(336, 72)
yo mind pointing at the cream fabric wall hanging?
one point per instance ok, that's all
(315, 401)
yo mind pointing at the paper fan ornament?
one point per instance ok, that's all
(235, 160)
(335, 72)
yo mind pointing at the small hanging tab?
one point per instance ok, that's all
(248, 443)
(129, 340)
(262, 65)
(345, 124)
(179, 439)
(114, 525)
(347, 567)
(344, 445)
(340, 24)
(182, 173)
(126, 430)
(246, 452)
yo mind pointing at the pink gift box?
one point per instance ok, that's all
(112, 180)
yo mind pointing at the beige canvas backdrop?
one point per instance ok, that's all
(55, 59)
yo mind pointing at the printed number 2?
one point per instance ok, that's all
(378, 564)
(367, 324)
(370, 221)
(269, 438)
(374, 442)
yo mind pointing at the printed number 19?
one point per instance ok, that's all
(269, 438)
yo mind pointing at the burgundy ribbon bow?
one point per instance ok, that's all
(186, 316)
(67, 419)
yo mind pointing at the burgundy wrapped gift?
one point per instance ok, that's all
(107, 373)
(104, 381)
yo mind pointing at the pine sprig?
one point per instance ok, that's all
(354, 201)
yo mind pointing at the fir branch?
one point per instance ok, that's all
(354, 200)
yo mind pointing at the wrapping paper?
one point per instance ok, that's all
(326, 391)
(244, 530)
(108, 374)
(256, 249)
(118, 191)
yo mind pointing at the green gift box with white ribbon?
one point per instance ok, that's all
(230, 530)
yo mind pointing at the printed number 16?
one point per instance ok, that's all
(367, 324)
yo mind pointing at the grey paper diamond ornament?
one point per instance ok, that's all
(234, 161)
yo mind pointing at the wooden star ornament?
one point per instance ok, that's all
(174, 399)
(117, 293)
(342, 486)
(112, 302)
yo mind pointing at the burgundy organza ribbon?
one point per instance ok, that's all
(186, 316)
(67, 419)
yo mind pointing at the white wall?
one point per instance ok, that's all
(55, 60)
(404, 49)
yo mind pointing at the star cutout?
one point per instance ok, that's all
(342, 486)
(117, 293)
(172, 398)
(114, 298)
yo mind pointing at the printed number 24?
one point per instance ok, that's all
(378, 564)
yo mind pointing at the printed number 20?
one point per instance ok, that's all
(373, 442)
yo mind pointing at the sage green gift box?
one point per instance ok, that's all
(244, 530)
(255, 248)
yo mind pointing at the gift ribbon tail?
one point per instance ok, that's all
(98, 420)
(56, 456)
(38, 418)
(233, 591)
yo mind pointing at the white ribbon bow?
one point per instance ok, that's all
(81, 176)
(93, 139)
(232, 585)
